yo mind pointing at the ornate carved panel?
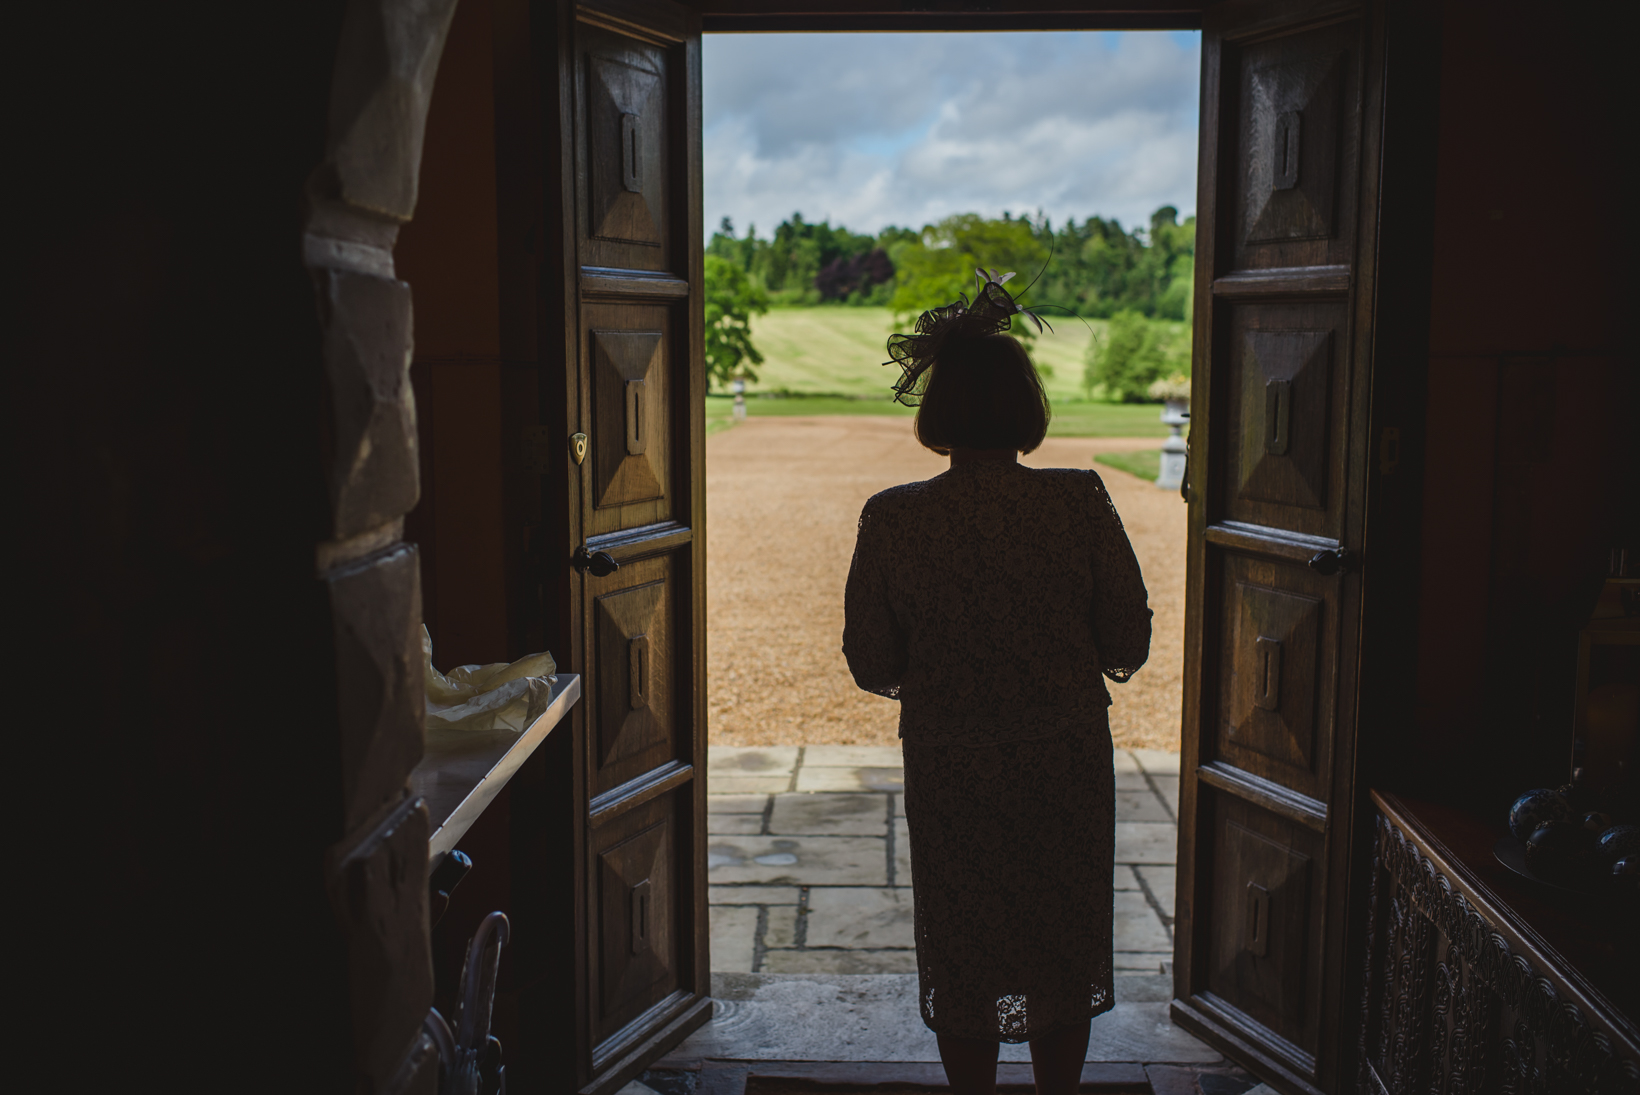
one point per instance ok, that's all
(1450, 1009)
(1285, 376)
(1273, 682)
(637, 953)
(624, 135)
(634, 686)
(629, 438)
(1285, 406)
(1291, 142)
(625, 151)
(1296, 138)
(1277, 659)
(1262, 950)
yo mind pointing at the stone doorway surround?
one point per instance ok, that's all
(814, 967)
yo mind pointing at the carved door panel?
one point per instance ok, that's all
(630, 80)
(1283, 329)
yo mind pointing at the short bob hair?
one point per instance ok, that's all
(982, 393)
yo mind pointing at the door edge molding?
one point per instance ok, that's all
(1205, 1016)
(628, 545)
(636, 1052)
(652, 784)
(1266, 793)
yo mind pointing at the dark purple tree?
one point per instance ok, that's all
(842, 277)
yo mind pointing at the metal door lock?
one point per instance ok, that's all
(1332, 561)
(601, 563)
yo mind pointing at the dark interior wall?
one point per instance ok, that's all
(169, 913)
(1530, 436)
(474, 399)
(448, 254)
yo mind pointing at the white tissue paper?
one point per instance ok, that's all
(477, 698)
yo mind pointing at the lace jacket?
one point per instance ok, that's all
(990, 599)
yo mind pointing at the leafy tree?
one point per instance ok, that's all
(798, 253)
(940, 265)
(854, 278)
(731, 299)
(741, 252)
(810, 263)
(1098, 269)
(1135, 353)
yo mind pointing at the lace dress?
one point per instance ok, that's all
(991, 601)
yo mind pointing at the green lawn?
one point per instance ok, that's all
(720, 409)
(1146, 463)
(1069, 419)
(841, 351)
(829, 361)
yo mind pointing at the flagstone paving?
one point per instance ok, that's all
(809, 860)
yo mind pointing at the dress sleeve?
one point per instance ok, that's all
(1121, 614)
(874, 643)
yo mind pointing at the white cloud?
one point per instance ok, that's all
(879, 129)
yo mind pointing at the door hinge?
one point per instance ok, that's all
(536, 448)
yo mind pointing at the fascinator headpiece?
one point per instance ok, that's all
(991, 312)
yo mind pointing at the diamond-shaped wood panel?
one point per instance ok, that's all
(634, 709)
(637, 951)
(1286, 378)
(626, 147)
(1261, 937)
(1272, 686)
(629, 435)
(1292, 144)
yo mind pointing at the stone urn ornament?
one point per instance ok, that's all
(1174, 393)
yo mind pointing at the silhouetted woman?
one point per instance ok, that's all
(991, 601)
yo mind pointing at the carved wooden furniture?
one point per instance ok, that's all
(1476, 983)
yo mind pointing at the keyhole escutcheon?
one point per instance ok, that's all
(635, 440)
(637, 656)
(1258, 920)
(640, 916)
(1267, 664)
(1289, 128)
(631, 166)
(1278, 416)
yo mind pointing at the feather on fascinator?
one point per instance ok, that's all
(991, 313)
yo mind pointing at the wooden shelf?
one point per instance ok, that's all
(462, 773)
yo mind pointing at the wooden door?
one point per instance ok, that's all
(629, 77)
(1284, 330)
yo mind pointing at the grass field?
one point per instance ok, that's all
(841, 351)
(1146, 463)
(829, 361)
(1069, 419)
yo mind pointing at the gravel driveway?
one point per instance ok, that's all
(783, 496)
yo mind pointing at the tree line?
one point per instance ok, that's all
(1138, 278)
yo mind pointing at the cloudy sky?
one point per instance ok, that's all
(878, 129)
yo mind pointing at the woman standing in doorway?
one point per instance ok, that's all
(991, 601)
